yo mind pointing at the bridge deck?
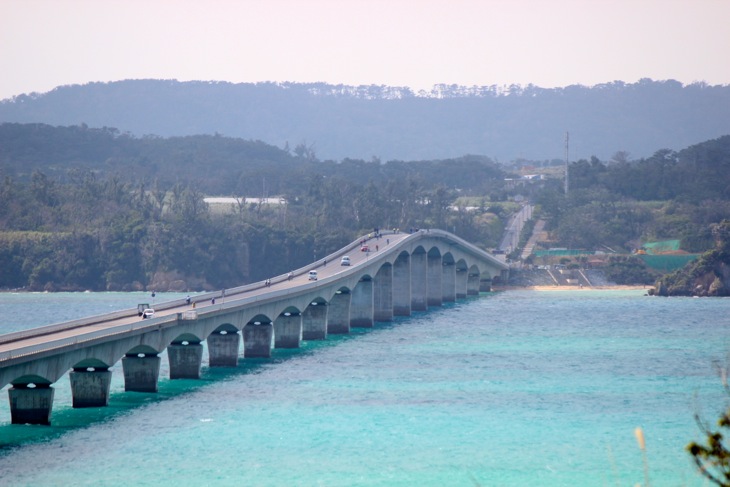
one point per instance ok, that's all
(331, 268)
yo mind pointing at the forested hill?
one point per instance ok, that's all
(386, 123)
(215, 164)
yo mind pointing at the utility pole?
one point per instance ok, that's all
(567, 153)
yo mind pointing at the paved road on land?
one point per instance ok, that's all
(511, 239)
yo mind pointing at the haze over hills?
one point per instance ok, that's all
(392, 123)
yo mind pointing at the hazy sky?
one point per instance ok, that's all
(416, 43)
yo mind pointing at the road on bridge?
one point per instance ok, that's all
(331, 268)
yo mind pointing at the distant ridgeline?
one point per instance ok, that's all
(395, 123)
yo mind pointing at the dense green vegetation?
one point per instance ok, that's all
(84, 208)
(617, 205)
(709, 275)
(76, 215)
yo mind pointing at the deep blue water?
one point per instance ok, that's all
(514, 388)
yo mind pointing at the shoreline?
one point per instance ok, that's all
(617, 287)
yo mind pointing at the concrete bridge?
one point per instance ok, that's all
(401, 273)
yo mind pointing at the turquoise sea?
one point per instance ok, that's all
(515, 388)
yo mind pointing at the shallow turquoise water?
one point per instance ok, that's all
(508, 389)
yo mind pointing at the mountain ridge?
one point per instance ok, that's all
(397, 123)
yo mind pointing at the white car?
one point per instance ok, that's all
(312, 275)
(345, 260)
(148, 313)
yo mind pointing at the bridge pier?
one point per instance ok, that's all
(402, 286)
(223, 349)
(31, 405)
(361, 305)
(383, 294)
(485, 285)
(434, 278)
(185, 360)
(419, 283)
(472, 284)
(448, 282)
(314, 321)
(90, 388)
(288, 331)
(461, 278)
(141, 373)
(257, 340)
(338, 316)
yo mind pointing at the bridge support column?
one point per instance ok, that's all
(419, 283)
(448, 283)
(472, 284)
(402, 286)
(90, 388)
(361, 307)
(288, 331)
(31, 405)
(141, 373)
(461, 278)
(223, 349)
(338, 315)
(383, 294)
(314, 321)
(504, 276)
(185, 360)
(257, 340)
(485, 284)
(434, 277)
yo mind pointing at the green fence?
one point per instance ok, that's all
(660, 247)
(667, 263)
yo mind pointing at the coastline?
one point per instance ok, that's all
(574, 288)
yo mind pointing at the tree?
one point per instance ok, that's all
(713, 460)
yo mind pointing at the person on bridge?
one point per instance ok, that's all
(289, 276)
(187, 300)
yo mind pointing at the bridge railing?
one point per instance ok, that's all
(154, 323)
(149, 324)
(200, 312)
(198, 298)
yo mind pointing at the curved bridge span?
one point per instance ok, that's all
(401, 273)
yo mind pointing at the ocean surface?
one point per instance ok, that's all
(515, 388)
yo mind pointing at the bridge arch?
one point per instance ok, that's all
(30, 380)
(410, 273)
(225, 329)
(141, 351)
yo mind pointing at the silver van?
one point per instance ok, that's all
(312, 275)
